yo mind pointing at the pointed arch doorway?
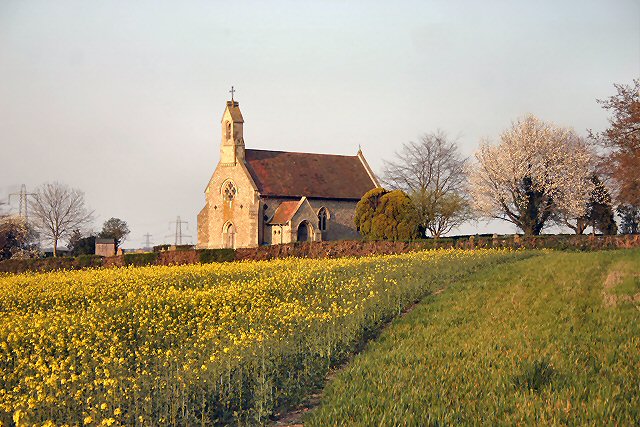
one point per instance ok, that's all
(303, 232)
(229, 236)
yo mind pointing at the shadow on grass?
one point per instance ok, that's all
(535, 376)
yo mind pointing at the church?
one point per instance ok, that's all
(263, 197)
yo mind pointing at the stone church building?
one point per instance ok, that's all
(260, 197)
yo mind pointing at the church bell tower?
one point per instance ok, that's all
(232, 147)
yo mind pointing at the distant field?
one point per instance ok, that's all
(199, 344)
(550, 340)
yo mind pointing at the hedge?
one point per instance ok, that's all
(331, 249)
(217, 255)
(139, 260)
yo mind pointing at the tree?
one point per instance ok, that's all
(432, 172)
(57, 210)
(116, 229)
(600, 209)
(629, 219)
(366, 210)
(443, 213)
(17, 239)
(81, 245)
(388, 215)
(395, 218)
(578, 225)
(12, 233)
(622, 141)
(598, 212)
(536, 171)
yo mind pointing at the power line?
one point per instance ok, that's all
(178, 234)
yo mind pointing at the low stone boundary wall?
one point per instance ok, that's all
(355, 248)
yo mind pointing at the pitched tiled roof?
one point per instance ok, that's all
(285, 211)
(287, 174)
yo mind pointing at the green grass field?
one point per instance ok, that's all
(549, 340)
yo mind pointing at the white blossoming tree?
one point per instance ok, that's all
(535, 171)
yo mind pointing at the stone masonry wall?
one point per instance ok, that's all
(340, 225)
(243, 212)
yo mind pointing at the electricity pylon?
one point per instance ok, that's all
(23, 202)
(178, 234)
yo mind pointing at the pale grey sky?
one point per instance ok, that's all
(123, 99)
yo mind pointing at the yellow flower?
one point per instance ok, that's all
(120, 333)
(17, 416)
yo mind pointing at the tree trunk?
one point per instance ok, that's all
(575, 229)
(537, 229)
(580, 226)
(55, 248)
(530, 226)
(533, 212)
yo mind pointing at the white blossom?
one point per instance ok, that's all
(536, 169)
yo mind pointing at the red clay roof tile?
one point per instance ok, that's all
(285, 211)
(287, 174)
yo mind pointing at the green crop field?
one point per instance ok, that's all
(549, 340)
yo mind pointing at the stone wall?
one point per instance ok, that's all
(340, 224)
(105, 249)
(243, 212)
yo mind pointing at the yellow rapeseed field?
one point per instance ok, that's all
(198, 344)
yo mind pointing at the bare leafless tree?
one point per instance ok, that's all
(57, 210)
(432, 172)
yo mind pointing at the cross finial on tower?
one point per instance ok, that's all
(232, 91)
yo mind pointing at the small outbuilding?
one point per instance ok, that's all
(105, 247)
